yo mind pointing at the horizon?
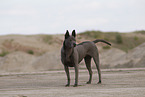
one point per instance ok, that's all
(70, 32)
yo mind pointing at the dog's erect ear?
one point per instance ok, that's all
(64, 45)
(74, 33)
(67, 34)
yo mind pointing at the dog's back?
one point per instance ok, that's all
(86, 48)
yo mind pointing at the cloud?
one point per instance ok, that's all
(55, 16)
(18, 12)
(91, 5)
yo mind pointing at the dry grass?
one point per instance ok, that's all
(123, 41)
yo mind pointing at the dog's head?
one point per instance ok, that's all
(70, 41)
(69, 44)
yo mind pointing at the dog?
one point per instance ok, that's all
(72, 54)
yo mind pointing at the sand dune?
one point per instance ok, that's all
(46, 55)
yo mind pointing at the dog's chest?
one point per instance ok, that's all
(69, 62)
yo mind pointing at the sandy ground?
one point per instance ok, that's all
(116, 83)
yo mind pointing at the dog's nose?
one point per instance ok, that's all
(74, 44)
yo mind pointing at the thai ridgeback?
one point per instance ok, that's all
(72, 54)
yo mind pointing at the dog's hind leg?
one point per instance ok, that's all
(96, 60)
(68, 76)
(88, 65)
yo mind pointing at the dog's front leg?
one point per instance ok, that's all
(68, 76)
(76, 75)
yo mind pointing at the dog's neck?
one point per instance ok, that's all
(68, 54)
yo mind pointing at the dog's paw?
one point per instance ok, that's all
(67, 85)
(99, 82)
(88, 82)
(75, 85)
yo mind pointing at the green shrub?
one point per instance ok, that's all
(93, 34)
(119, 38)
(135, 38)
(30, 52)
(106, 47)
(4, 53)
(141, 32)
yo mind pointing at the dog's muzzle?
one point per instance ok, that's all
(74, 44)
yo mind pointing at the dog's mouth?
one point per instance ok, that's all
(74, 44)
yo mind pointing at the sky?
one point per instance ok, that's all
(57, 16)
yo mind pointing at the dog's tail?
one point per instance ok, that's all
(101, 40)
